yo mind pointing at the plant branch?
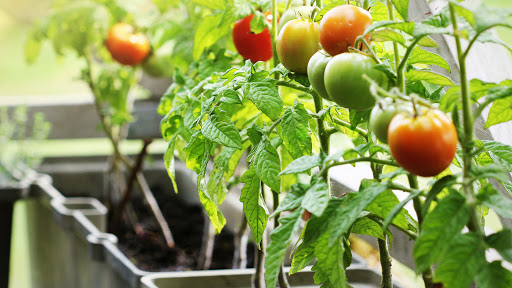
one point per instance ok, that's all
(401, 67)
(283, 282)
(392, 18)
(468, 123)
(157, 212)
(295, 86)
(385, 263)
(129, 186)
(345, 124)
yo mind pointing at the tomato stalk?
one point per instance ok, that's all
(392, 18)
(361, 39)
(401, 67)
(468, 122)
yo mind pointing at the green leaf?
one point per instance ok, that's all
(330, 264)
(488, 171)
(420, 56)
(508, 187)
(212, 4)
(493, 275)
(439, 185)
(258, 23)
(428, 76)
(302, 258)
(348, 213)
(198, 153)
(438, 230)
(484, 17)
(220, 129)
(501, 111)
(417, 30)
(207, 33)
(387, 35)
(491, 198)
(382, 206)
(265, 96)
(280, 238)
(316, 198)
(398, 210)
(267, 164)
(317, 226)
(502, 242)
(254, 206)
(367, 226)
(32, 47)
(324, 10)
(295, 130)
(170, 124)
(463, 260)
(293, 199)
(403, 8)
(211, 206)
(302, 164)
(379, 12)
(169, 163)
(230, 96)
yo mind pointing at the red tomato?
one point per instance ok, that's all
(340, 27)
(255, 47)
(125, 46)
(423, 145)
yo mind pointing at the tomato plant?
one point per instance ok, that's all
(425, 144)
(316, 71)
(296, 43)
(345, 84)
(125, 46)
(254, 47)
(341, 26)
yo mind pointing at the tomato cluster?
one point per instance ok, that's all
(125, 46)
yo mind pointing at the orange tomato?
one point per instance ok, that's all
(423, 145)
(125, 46)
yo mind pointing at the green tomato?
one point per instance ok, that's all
(382, 114)
(159, 63)
(316, 71)
(345, 84)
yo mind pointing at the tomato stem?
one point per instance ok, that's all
(385, 263)
(361, 39)
(467, 143)
(401, 67)
(395, 45)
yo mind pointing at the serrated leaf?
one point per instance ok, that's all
(212, 4)
(382, 206)
(463, 260)
(302, 258)
(230, 96)
(302, 164)
(494, 171)
(258, 23)
(387, 35)
(348, 213)
(403, 8)
(280, 238)
(417, 30)
(428, 42)
(500, 112)
(490, 197)
(316, 198)
(438, 230)
(295, 130)
(502, 242)
(198, 153)
(254, 206)
(324, 10)
(379, 12)
(366, 226)
(428, 76)
(317, 226)
(207, 33)
(420, 56)
(330, 262)
(439, 185)
(265, 96)
(397, 210)
(220, 129)
(169, 163)
(211, 206)
(484, 17)
(493, 275)
(267, 164)
(293, 199)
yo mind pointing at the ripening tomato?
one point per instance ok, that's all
(316, 72)
(254, 47)
(296, 43)
(340, 27)
(345, 84)
(424, 144)
(125, 46)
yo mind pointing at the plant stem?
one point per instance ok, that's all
(283, 282)
(294, 86)
(275, 31)
(413, 182)
(323, 136)
(359, 130)
(362, 159)
(392, 18)
(385, 262)
(400, 72)
(468, 142)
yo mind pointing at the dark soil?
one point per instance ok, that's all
(147, 249)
